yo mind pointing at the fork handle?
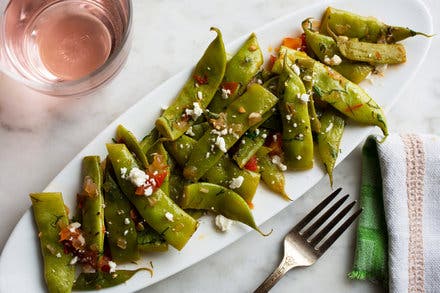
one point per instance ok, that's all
(286, 264)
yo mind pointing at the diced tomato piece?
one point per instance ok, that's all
(292, 43)
(201, 79)
(303, 43)
(160, 178)
(252, 164)
(232, 86)
(272, 60)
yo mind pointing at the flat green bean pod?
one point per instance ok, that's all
(367, 29)
(99, 280)
(329, 140)
(158, 210)
(92, 202)
(244, 112)
(197, 93)
(345, 96)
(123, 135)
(120, 228)
(50, 216)
(270, 173)
(242, 67)
(297, 131)
(149, 240)
(326, 49)
(148, 141)
(216, 198)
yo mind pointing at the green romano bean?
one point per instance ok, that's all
(242, 67)
(372, 53)
(367, 29)
(222, 173)
(51, 216)
(157, 209)
(123, 135)
(248, 145)
(198, 90)
(92, 203)
(244, 112)
(121, 231)
(99, 280)
(198, 130)
(148, 141)
(325, 48)
(297, 132)
(216, 198)
(345, 96)
(329, 140)
(270, 173)
(150, 241)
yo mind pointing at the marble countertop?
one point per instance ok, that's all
(39, 135)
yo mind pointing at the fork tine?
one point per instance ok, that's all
(316, 210)
(331, 224)
(338, 232)
(323, 218)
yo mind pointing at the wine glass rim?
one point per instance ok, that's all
(43, 86)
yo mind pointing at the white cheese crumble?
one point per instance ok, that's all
(73, 226)
(223, 223)
(236, 182)
(112, 266)
(221, 144)
(74, 260)
(307, 78)
(58, 255)
(169, 216)
(190, 131)
(295, 69)
(220, 132)
(125, 232)
(288, 117)
(148, 191)
(335, 60)
(264, 135)
(199, 95)
(123, 172)
(298, 157)
(329, 127)
(225, 93)
(304, 97)
(137, 177)
(295, 124)
(196, 112)
(277, 161)
(127, 221)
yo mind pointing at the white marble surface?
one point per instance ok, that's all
(40, 134)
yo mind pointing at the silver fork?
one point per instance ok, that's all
(300, 249)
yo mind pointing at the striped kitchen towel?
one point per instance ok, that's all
(410, 171)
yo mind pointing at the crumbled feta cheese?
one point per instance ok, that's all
(196, 112)
(277, 161)
(123, 173)
(264, 135)
(334, 60)
(148, 191)
(298, 157)
(137, 176)
(58, 255)
(243, 142)
(220, 132)
(254, 118)
(208, 154)
(190, 131)
(169, 216)
(304, 97)
(221, 144)
(125, 232)
(112, 266)
(307, 78)
(127, 221)
(73, 226)
(295, 69)
(226, 93)
(259, 81)
(329, 127)
(199, 95)
(300, 136)
(223, 223)
(295, 125)
(236, 182)
(74, 260)
(288, 117)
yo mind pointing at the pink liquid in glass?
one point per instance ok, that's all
(62, 40)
